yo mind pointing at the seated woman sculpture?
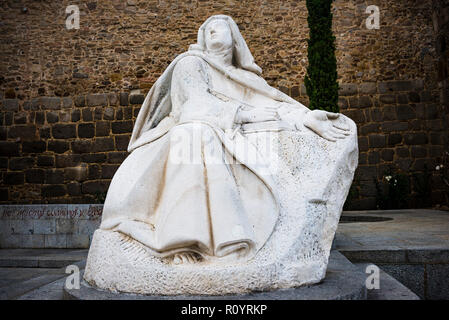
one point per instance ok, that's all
(219, 204)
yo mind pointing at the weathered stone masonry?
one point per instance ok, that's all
(69, 98)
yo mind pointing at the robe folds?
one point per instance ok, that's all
(189, 183)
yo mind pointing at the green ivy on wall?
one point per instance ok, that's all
(321, 79)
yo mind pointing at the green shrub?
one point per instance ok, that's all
(321, 79)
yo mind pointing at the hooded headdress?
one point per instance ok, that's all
(157, 104)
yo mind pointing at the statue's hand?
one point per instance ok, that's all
(257, 115)
(323, 123)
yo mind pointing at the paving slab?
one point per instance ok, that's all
(40, 258)
(407, 235)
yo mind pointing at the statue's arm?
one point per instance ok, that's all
(190, 86)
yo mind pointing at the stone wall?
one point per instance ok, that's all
(69, 98)
(48, 226)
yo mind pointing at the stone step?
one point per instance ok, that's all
(389, 287)
(48, 286)
(40, 258)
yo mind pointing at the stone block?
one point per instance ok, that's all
(80, 101)
(8, 149)
(117, 157)
(11, 241)
(418, 152)
(122, 127)
(87, 227)
(52, 117)
(405, 112)
(402, 98)
(20, 118)
(64, 131)
(81, 146)
(20, 163)
(94, 100)
(387, 154)
(136, 98)
(389, 113)
(79, 173)
(10, 104)
(347, 89)
(108, 171)
(94, 158)
(21, 226)
(394, 139)
(87, 114)
(40, 117)
(86, 130)
(58, 146)
(44, 132)
(35, 176)
(102, 128)
(124, 98)
(45, 161)
(377, 141)
(53, 191)
(94, 172)
(14, 178)
(74, 189)
(356, 115)
(103, 144)
(398, 85)
(32, 241)
(121, 142)
(414, 97)
(44, 226)
(76, 241)
(34, 146)
(50, 103)
(54, 176)
(94, 187)
(65, 226)
(26, 132)
(415, 138)
(55, 240)
(368, 88)
(387, 98)
(391, 126)
(75, 115)
(67, 102)
(108, 114)
(64, 116)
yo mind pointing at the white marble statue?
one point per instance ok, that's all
(230, 186)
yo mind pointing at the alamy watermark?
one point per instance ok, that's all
(73, 20)
(373, 20)
(73, 279)
(373, 280)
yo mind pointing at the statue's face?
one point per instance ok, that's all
(218, 35)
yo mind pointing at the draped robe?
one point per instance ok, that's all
(217, 202)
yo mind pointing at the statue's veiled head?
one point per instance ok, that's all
(218, 35)
(221, 32)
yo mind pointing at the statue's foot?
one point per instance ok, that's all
(186, 258)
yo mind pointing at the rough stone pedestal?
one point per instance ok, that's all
(344, 281)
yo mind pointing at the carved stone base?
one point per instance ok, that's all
(343, 281)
